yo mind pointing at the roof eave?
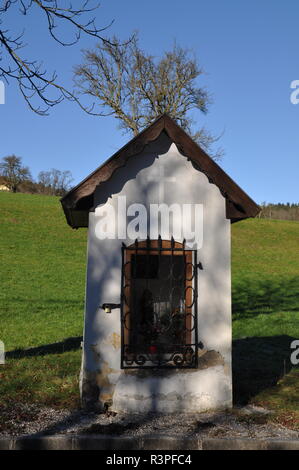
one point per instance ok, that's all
(239, 205)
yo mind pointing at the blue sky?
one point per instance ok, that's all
(249, 50)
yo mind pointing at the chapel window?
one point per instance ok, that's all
(159, 305)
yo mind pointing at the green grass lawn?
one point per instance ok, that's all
(41, 298)
(42, 284)
(265, 288)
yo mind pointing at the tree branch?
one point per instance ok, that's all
(33, 81)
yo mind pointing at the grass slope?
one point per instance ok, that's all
(265, 292)
(42, 299)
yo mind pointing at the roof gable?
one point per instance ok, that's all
(79, 200)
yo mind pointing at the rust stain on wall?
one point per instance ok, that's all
(106, 388)
(210, 359)
(89, 389)
(97, 389)
(114, 339)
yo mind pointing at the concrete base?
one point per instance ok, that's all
(180, 392)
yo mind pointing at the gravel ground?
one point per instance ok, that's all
(246, 422)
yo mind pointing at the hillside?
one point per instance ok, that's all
(42, 293)
(44, 267)
(265, 267)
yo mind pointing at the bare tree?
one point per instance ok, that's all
(44, 181)
(33, 80)
(136, 88)
(54, 182)
(14, 173)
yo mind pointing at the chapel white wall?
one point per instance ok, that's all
(101, 377)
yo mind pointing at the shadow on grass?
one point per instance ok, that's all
(259, 363)
(68, 344)
(252, 296)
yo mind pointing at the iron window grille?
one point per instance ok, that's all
(159, 305)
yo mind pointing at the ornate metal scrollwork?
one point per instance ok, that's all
(159, 305)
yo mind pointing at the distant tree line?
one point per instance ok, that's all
(18, 178)
(287, 211)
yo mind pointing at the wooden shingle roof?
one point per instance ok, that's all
(79, 200)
